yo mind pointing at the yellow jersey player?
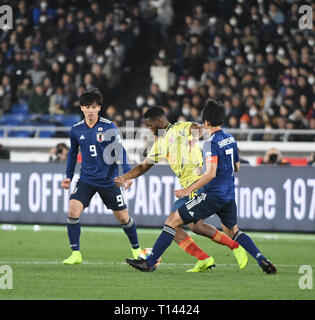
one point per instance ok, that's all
(216, 194)
(177, 144)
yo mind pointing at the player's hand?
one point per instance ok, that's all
(119, 181)
(66, 183)
(181, 193)
(127, 184)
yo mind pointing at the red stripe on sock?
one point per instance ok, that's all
(189, 246)
(223, 239)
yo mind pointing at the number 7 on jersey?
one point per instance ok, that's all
(230, 152)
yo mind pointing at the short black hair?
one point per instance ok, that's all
(154, 113)
(90, 97)
(213, 112)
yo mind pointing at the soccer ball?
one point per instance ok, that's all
(145, 253)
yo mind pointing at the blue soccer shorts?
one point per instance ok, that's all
(111, 196)
(178, 203)
(203, 206)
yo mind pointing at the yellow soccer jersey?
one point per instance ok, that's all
(176, 147)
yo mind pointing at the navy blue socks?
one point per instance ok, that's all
(162, 243)
(131, 232)
(74, 231)
(247, 243)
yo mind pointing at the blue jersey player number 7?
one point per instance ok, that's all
(216, 197)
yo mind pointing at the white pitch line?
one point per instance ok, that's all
(124, 263)
(267, 236)
(264, 235)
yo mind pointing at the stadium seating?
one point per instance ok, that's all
(19, 108)
(47, 133)
(21, 133)
(12, 119)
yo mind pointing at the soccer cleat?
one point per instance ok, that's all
(267, 266)
(203, 265)
(140, 264)
(135, 252)
(75, 258)
(241, 256)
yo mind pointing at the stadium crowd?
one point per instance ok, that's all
(251, 55)
(57, 49)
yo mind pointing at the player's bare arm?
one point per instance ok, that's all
(135, 172)
(204, 179)
(237, 166)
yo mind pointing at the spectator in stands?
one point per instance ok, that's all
(175, 109)
(68, 84)
(311, 159)
(100, 34)
(257, 123)
(112, 68)
(177, 53)
(24, 90)
(38, 103)
(275, 14)
(273, 157)
(276, 70)
(4, 153)
(73, 73)
(37, 72)
(157, 94)
(6, 85)
(59, 153)
(99, 79)
(217, 50)
(5, 100)
(137, 118)
(59, 101)
(17, 68)
(164, 16)
(111, 112)
(62, 33)
(88, 81)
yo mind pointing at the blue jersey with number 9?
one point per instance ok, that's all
(221, 149)
(101, 149)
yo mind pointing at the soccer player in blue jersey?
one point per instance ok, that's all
(217, 196)
(101, 150)
(176, 144)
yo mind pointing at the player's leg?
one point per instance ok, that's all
(228, 218)
(79, 199)
(73, 223)
(129, 227)
(191, 211)
(114, 200)
(212, 233)
(162, 243)
(189, 246)
(74, 231)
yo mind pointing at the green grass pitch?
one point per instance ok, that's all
(38, 272)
